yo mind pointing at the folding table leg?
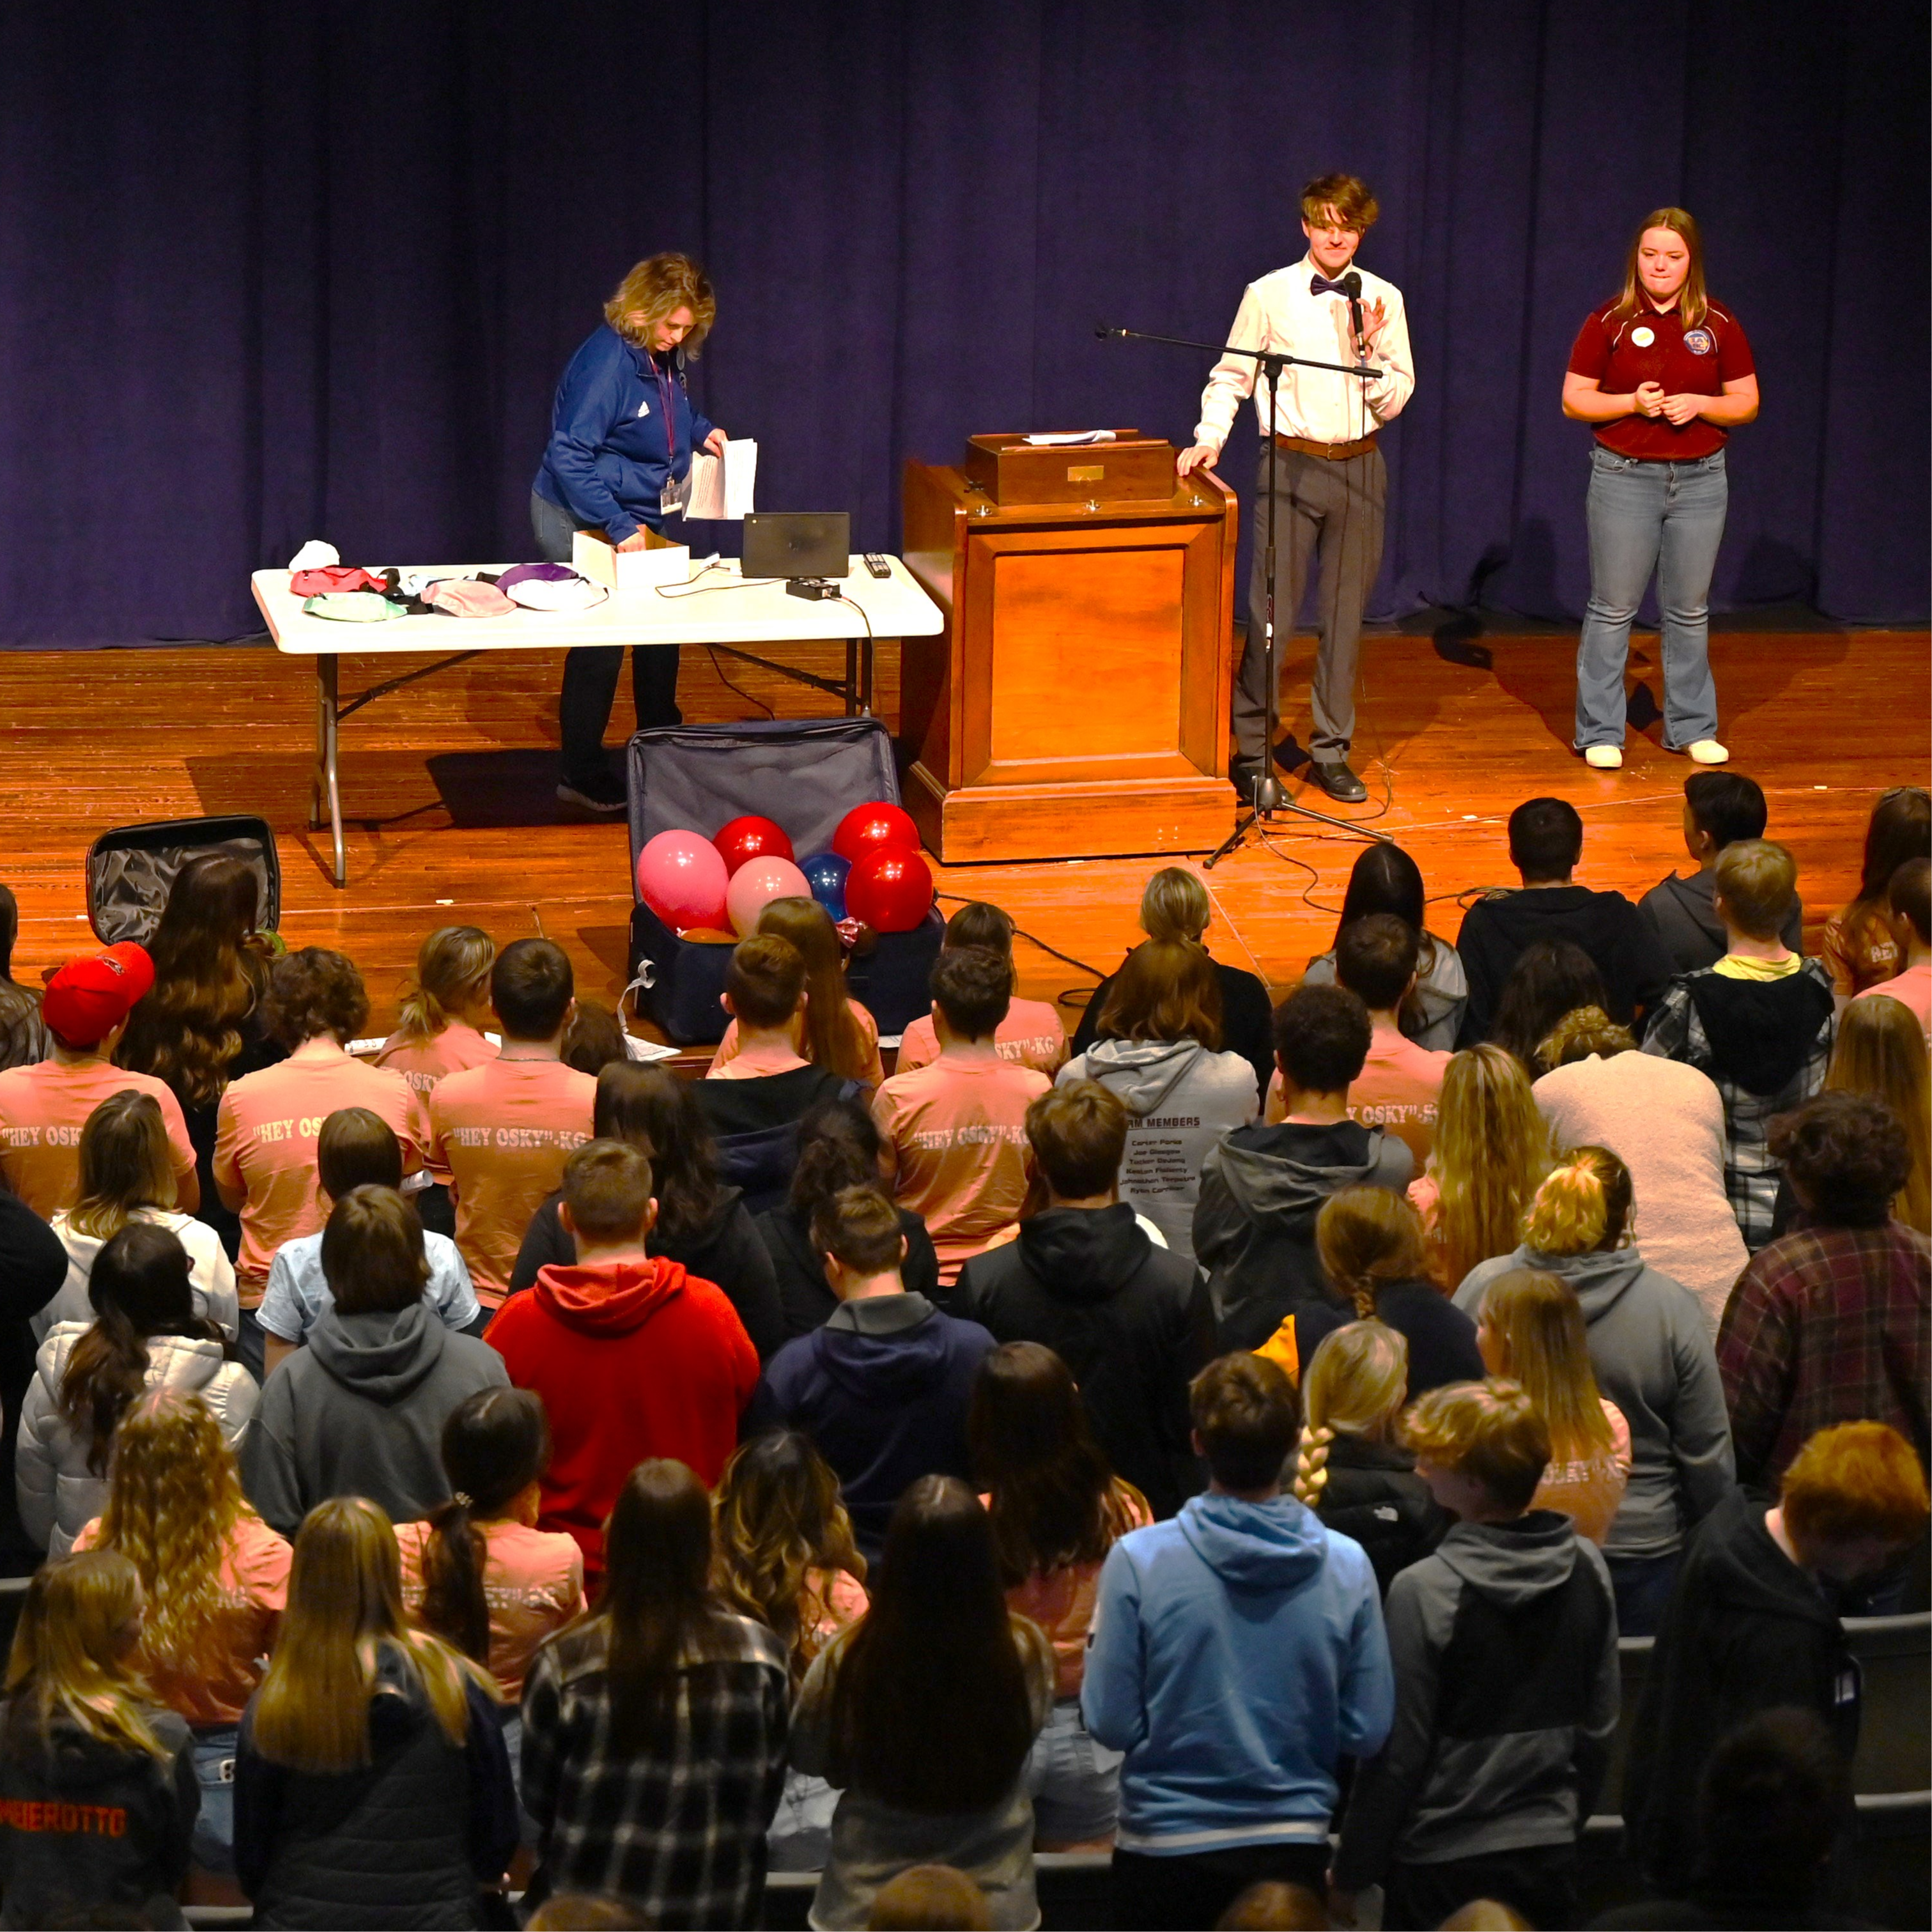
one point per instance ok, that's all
(327, 781)
(851, 677)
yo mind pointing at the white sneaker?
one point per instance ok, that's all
(1708, 751)
(1604, 757)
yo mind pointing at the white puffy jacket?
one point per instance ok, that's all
(211, 1273)
(58, 1494)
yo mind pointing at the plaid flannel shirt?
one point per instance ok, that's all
(679, 1834)
(1675, 1032)
(1827, 1325)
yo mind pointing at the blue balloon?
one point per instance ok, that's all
(825, 873)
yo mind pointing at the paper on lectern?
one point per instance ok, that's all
(722, 487)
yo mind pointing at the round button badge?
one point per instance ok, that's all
(1643, 335)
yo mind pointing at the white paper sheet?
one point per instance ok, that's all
(1067, 438)
(721, 488)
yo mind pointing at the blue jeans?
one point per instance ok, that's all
(1642, 1586)
(1646, 516)
(1075, 1780)
(214, 1748)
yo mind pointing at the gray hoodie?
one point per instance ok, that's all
(1651, 1351)
(1505, 1645)
(358, 1411)
(1681, 913)
(1183, 1098)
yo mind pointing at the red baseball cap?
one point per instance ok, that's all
(88, 998)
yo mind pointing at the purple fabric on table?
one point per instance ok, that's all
(534, 573)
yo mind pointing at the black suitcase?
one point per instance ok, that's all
(130, 868)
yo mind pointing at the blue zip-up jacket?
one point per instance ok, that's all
(607, 461)
(1236, 1652)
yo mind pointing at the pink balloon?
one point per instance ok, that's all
(755, 884)
(682, 879)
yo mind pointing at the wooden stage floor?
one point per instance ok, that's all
(446, 785)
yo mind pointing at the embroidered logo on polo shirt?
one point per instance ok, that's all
(1699, 341)
(1643, 335)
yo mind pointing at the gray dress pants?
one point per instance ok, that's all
(1333, 513)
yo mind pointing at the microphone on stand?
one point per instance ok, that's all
(1104, 331)
(1351, 287)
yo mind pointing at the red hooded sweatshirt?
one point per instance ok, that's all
(633, 1359)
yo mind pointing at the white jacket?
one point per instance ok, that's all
(58, 1494)
(211, 1273)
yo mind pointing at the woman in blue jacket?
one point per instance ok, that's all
(622, 430)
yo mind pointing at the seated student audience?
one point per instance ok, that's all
(1546, 841)
(1505, 1645)
(356, 1148)
(700, 1222)
(1549, 978)
(1651, 1353)
(882, 1388)
(1833, 1322)
(1384, 880)
(634, 1356)
(1238, 1655)
(43, 1106)
(593, 1040)
(1760, 1023)
(33, 1265)
(923, 1897)
(265, 1148)
(1492, 1151)
(1861, 946)
(1131, 1320)
(1158, 1051)
(1749, 1627)
(127, 1174)
(205, 1021)
(1370, 1241)
(930, 1762)
(835, 1033)
(655, 1728)
(838, 1147)
(503, 1129)
(1770, 1804)
(214, 1577)
(1350, 1469)
(1532, 1332)
(479, 1572)
(359, 1409)
(1262, 1186)
(753, 1103)
(1910, 899)
(371, 1784)
(97, 1791)
(1665, 1121)
(1881, 1055)
(23, 1034)
(785, 1557)
(1031, 1034)
(145, 1335)
(953, 1131)
(1056, 1509)
(1719, 808)
(1175, 906)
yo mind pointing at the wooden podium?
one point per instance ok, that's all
(1076, 704)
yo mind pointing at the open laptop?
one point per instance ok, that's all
(797, 543)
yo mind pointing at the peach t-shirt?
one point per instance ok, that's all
(425, 1064)
(1589, 1492)
(1912, 987)
(1398, 1088)
(254, 1585)
(955, 1151)
(1031, 1034)
(42, 1109)
(532, 1581)
(872, 1074)
(504, 1130)
(265, 1137)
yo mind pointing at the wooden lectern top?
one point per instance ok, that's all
(1132, 468)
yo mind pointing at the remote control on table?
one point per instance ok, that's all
(877, 564)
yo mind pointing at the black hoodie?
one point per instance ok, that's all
(86, 1826)
(1131, 1320)
(806, 1297)
(1745, 1630)
(1497, 931)
(1762, 1031)
(1373, 1493)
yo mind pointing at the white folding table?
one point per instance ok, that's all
(720, 609)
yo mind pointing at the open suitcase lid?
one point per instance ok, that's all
(130, 868)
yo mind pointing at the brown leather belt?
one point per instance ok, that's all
(1329, 452)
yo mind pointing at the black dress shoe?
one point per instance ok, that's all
(1338, 781)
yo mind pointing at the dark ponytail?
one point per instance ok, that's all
(495, 1444)
(838, 1148)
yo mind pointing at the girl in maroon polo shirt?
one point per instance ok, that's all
(1663, 373)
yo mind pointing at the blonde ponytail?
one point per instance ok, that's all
(452, 968)
(1311, 1465)
(1583, 1203)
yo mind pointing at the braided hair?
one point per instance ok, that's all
(1354, 1384)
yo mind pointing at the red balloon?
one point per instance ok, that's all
(870, 827)
(890, 891)
(751, 837)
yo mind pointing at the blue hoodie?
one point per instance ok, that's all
(1236, 1653)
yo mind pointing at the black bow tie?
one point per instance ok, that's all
(1320, 285)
